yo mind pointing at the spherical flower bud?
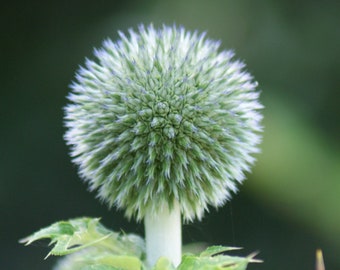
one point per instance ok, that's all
(163, 116)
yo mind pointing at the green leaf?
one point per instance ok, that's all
(214, 250)
(90, 246)
(99, 267)
(93, 258)
(210, 260)
(120, 262)
(163, 264)
(76, 234)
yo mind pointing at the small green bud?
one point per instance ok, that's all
(163, 115)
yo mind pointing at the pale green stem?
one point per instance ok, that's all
(163, 235)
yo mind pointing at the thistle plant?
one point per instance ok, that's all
(163, 124)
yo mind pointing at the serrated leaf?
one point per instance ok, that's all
(209, 260)
(214, 250)
(76, 234)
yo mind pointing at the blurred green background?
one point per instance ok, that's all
(290, 204)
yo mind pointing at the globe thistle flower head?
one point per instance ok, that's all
(163, 115)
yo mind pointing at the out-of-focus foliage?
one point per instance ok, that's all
(299, 172)
(286, 209)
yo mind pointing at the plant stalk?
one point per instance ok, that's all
(163, 235)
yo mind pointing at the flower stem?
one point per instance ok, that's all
(163, 235)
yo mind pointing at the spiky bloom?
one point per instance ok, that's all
(163, 116)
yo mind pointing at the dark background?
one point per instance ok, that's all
(288, 207)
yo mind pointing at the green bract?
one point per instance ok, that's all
(162, 115)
